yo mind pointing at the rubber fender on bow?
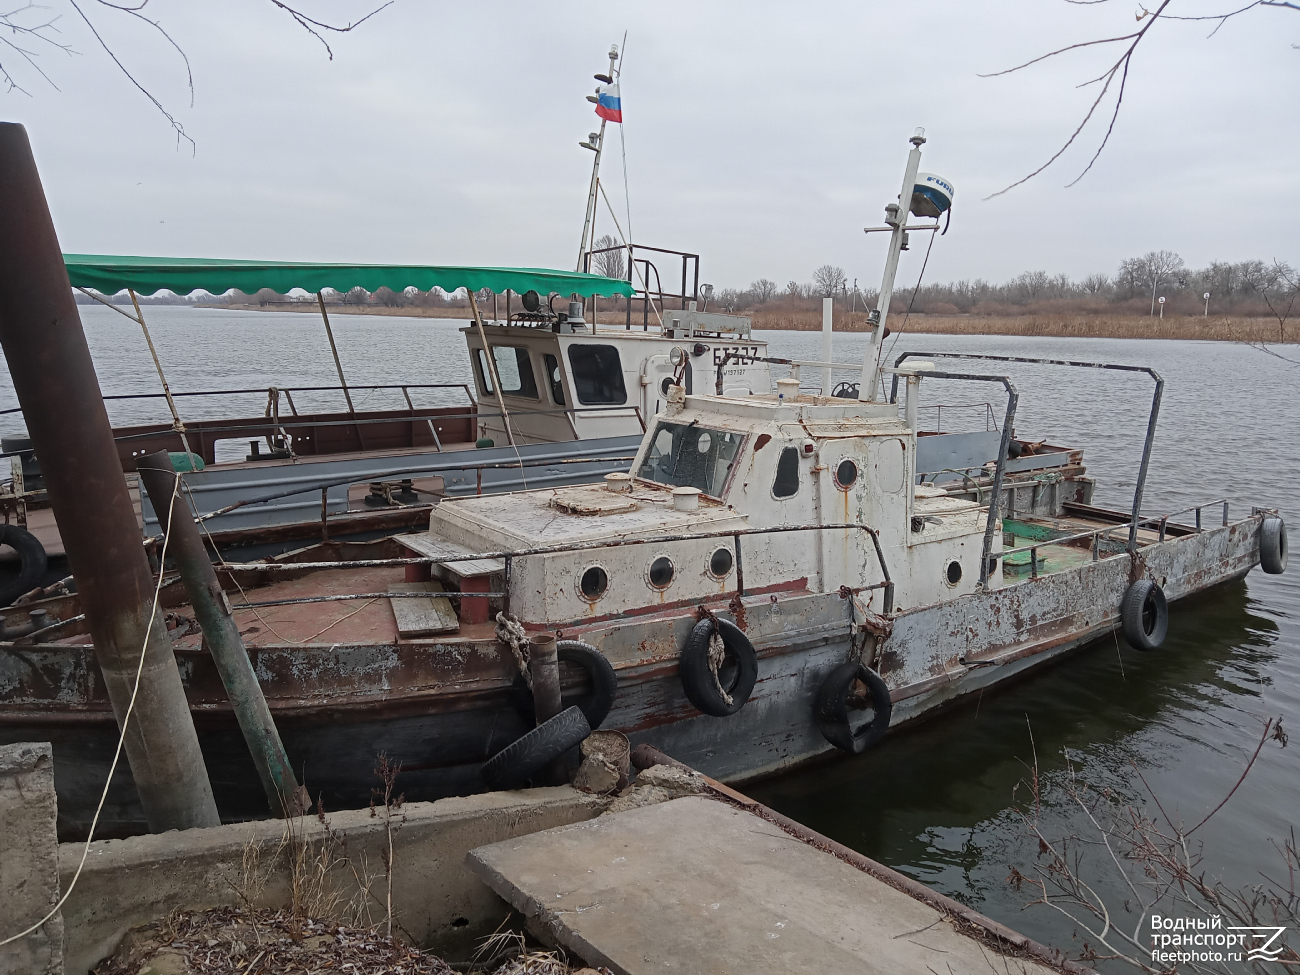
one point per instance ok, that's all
(736, 675)
(596, 703)
(523, 758)
(1272, 545)
(838, 695)
(31, 554)
(1144, 615)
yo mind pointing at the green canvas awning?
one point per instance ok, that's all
(147, 275)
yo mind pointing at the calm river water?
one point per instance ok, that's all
(940, 802)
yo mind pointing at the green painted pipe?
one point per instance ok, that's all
(185, 546)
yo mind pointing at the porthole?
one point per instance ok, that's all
(846, 474)
(666, 385)
(720, 563)
(593, 583)
(953, 572)
(661, 572)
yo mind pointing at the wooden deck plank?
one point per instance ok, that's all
(425, 544)
(423, 617)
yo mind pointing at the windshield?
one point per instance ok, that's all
(688, 455)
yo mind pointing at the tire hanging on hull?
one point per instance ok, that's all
(604, 683)
(1272, 546)
(1144, 615)
(719, 688)
(33, 562)
(833, 706)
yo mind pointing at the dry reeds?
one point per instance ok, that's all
(1195, 328)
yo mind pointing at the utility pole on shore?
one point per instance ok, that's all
(54, 379)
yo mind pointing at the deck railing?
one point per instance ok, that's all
(1095, 535)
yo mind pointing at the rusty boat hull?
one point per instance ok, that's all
(442, 707)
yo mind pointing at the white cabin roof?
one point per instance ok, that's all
(531, 519)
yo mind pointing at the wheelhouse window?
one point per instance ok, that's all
(513, 366)
(597, 375)
(554, 378)
(689, 455)
(786, 484)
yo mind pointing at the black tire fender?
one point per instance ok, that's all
(1272, 545)
(1144, 615)
(604, 683)
(523, 758)
(832, 708)
(697, 679)
(34, 561)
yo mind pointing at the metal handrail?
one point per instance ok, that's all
(633, 409)
(373, 477)
(1151, 420)
(268, 390)
(509, 554)
(1096, 533)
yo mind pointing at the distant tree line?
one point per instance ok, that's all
(1243, 288)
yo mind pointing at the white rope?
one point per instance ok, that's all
(121, 739)
(511, 632)
(627, 196)
(717, 654)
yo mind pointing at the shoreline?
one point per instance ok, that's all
(1190, 327)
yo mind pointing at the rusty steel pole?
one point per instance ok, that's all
(185, 548)
(544, 668)
(59, 393)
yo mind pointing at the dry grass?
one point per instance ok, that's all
(1255, 330)
(1063, 325)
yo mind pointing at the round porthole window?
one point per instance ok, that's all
(720, 563)
(661, 572)
(953, 573)
(666, 385)
(846, 474)
(593, 583)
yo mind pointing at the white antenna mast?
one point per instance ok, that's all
(596, 143)
(896, 218)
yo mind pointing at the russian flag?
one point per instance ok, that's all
(608, 105)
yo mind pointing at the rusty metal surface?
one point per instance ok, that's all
(314, 434)
(442, 706)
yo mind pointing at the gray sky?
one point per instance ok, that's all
(763, 136)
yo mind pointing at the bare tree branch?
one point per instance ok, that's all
(311, 26)
(171, 119)
(25, 40)
(1119, 70)
(1120, 67)
(39, 32)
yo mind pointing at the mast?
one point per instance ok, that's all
(896, 217)
(596, 145)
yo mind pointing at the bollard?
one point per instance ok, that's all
(59, 393)
(185, 548)
(544, 666)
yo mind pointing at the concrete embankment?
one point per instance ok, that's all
(440, 903)
(679, 873)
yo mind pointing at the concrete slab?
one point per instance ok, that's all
(440, 903)
(29, 860)
(696, 885)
